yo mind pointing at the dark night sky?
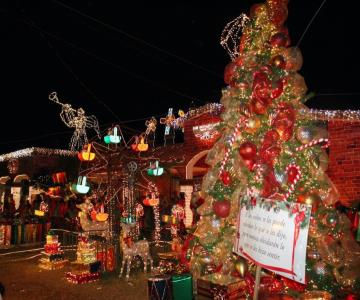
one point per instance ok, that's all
(158, 54)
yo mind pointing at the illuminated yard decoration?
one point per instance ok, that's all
(167, 121)
(86, 154)
(155, 170)
(81, 187)
(78, 120)
(113, 136)
(142, 146)
(150, 126)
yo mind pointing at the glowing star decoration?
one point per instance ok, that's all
(168, 121)
(86, 154)
(113, 136)
(81, 187)
(150, 126)
(78, 120)
(155, 170)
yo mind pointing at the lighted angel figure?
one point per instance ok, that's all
(78, 120)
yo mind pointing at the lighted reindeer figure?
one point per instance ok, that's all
(89, 225)
(129, 251)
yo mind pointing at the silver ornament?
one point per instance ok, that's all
(304, 134)
(320, 268)
(281, 177)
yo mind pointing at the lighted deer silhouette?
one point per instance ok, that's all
(130, 250)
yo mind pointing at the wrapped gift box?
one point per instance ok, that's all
(52, 239)
(182, 287)
(52, 265)
(218, 286)
(81, 277)
(52, 248)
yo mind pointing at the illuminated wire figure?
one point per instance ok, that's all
(78, 120)
(151, 128)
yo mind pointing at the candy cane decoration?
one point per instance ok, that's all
(232, 140)
(259, 171)
(296, 179)
(314, 142)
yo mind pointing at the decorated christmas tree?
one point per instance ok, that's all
(271, 148)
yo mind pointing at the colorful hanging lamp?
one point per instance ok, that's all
(86, 154)
(155, 170)
(142, 146)
(113, 136)
(81, 187)
(152, 200)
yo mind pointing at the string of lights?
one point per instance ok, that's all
(36, 151)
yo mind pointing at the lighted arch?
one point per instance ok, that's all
(190, 165)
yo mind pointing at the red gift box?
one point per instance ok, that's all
(215, 286)
(80, 277)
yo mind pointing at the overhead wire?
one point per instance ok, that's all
(310, 22)
(135, 38)
(67, 66)
(141, 77)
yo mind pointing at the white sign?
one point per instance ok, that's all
(273, 234)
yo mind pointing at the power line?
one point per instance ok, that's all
(308, 26)
(137, 39)
(67, 66)
(111, 63)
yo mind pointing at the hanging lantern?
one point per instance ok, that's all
(142, 146)
(152, 200)
(81, 187)
(86, 154)
(155, 170)
(112, 137)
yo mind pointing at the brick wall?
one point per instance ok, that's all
(344, 158)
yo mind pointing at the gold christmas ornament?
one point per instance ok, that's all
(316, 295)
(252, 124)
(241, 266)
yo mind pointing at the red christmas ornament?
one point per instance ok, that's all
(249, 163)
(291, 284)
(221, 208)
(225, 178)
(279, 39)
(229, 72)
(248, 150)
(284, 121)
(269, 149)
(292, 173)
(271, 285)
(278, 11)
(277, 90)
(258, 107)
(270, 185)
(278, 61)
